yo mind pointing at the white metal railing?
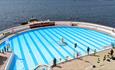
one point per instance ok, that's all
(43, 67)
(7, 67)
(101, 28)
(96, 25)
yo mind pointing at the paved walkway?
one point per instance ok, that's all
(3, 60)
(86, 63)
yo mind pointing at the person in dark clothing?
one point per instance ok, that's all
(5, 49)
(88, 49)
(104, 58)
(111, 52)
(54, 62)
(98, 60)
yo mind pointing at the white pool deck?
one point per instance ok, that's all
(86, 63)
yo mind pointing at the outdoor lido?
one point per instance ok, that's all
(41, 45)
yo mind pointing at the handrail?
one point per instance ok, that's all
(104, 29)
(96, 25)
(43, 67)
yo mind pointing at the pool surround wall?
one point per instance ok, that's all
(9, 61)
(25, 28)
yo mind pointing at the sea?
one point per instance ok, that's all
(14, 12)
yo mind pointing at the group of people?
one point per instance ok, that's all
(78, 54)
(5, 49)
(88, 50)
(106, 57)
(109, 56)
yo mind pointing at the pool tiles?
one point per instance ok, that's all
(41, 46)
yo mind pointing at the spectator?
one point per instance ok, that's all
(104, 58)
(54, 62)
(111, 52)
(88, 49)
(94, 52)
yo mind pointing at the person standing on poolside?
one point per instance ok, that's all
(88, 49)
(94, 52)
(78, 54)
(54, 62)
(62, 40)
(104, 58)
(111, 52)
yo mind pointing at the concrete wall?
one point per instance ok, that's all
(9, 62)
(97, 27)
(101, 28)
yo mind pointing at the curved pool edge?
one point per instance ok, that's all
(9, 61)
(100, 28)
(23, 28)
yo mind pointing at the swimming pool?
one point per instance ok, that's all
(41, 46)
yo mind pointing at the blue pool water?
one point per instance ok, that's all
(40, 46)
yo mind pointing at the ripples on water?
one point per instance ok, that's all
(13, 12)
